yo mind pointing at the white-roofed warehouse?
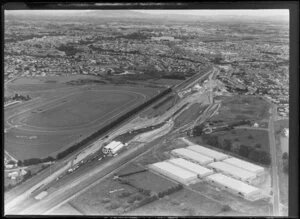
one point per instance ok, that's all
(192, 156)
(258, 170)
(195, 168)
(217, 156)
(233, 171)
(235, 186)
(174, 172)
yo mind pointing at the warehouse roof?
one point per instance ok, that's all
(190, 166)
(244, 164)
(207, 152)
(175, 170)
(113, 144)
(193, 155)
(232, 170)
(233, 184)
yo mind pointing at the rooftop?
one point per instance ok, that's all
(232, 183)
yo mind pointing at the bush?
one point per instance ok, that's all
(105, 200)
(124, 194)
(113, 205)
(226, 208)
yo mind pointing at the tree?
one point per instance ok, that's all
(258, 145)
(11, 162)
(265, 158)
(250, 137)
(244, 151)
(227, 144)
(226, 208)
(254, 155)
(20, 163)
(285, 156)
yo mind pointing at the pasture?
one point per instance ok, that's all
(59, 115)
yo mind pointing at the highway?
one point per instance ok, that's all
(73, 186)
(274, 163)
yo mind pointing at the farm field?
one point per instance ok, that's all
(59, 115)
(241, 108)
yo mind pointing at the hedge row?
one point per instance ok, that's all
(111, 125)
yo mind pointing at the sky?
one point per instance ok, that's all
(256, 12)
(278, 13)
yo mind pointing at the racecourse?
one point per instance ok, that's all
(57, 118)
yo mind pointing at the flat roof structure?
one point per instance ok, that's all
(195, 168)
(235, 186)
(208, 152)
(192, 156)
(244, 165)
(233, 171)
(174, 172)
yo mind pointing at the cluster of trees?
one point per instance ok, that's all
(111, 125)
(255, 154)
(285, 160)
(163, 102)
(132, 173)
(33, 161)
(18, 97)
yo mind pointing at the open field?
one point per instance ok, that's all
(189, 114)
(241, 107)
(249, 137)
(238, 204)
(57, 117)
(180, 203)
(106, 198)
(150, 181)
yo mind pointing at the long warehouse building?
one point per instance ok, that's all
(217, 156)
(234, 186)
(174, 172)
(195, 168)
(234, 171)
(192, 156)
(258, 170)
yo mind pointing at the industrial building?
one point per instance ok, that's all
(192, 156)
(234, 171)
(174, 172)
(234, 186)
(195, 168)
(113, 147)
(217, 156)
(258, 170)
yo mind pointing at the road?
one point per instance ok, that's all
(274, 163)
(30, 206)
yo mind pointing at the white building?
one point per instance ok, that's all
(235, 172)
(192, 156)
(258, 170)
(195, 168)
(217, 156)
(113, 147)
(174, 172)
(234, 186)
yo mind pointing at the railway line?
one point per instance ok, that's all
(27, 205)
